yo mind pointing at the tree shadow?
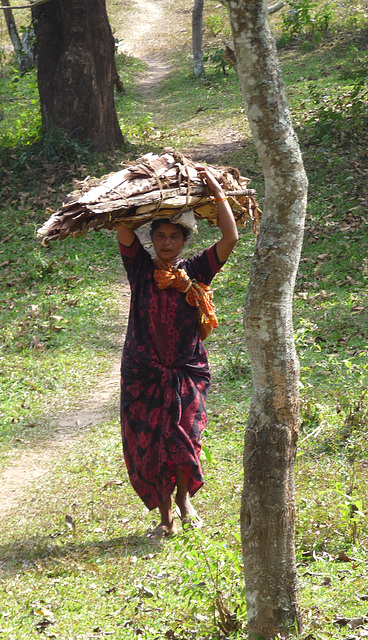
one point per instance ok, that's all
(24, 554)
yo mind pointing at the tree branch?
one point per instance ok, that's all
(27, 6)
(276, 7)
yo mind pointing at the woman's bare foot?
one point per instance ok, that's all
(163, 530)
(187, 513)
(167, 525)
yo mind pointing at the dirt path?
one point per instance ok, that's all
(68, 429)
(143, 35)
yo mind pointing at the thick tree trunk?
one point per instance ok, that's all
(267, 512)
(76, 71)
(197, 38)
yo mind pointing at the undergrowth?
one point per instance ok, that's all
(75, 561)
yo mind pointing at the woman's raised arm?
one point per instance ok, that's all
(126, 236)
(226, 220)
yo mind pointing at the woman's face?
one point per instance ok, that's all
(168, 241)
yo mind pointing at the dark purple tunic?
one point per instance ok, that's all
(164, 378)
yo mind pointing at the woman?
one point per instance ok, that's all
(165, 373)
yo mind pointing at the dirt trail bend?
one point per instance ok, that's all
(146, 32)
(68, 428)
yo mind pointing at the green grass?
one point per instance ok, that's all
(60, 329)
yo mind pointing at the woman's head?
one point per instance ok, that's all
(168, 238)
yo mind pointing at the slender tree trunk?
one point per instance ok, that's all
(197, 37)
(268, 511)
(12, 28)
(276, 7)
(76, 70)
(25, 58)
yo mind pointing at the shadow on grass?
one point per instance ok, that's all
(21, 555)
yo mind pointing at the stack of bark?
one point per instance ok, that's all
(153, 186)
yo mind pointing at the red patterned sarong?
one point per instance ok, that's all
(165, 378)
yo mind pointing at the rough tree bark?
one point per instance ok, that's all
(76, 71)
(197, 38)
(268, 511)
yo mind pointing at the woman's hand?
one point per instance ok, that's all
(210, 180)
(126, 236)
(225, 217)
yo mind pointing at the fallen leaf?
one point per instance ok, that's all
(113, 483)
(70, 524)
(357, 622)
(341, 621)
(147, 592)
(343, 557)
(44, 623)
(110, 590)
(42, 611)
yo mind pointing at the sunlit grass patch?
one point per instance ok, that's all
(21, 116)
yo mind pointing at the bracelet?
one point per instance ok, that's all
(220, 199)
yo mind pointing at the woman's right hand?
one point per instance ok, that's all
(126, 236)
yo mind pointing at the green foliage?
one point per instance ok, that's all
(341, 114)
(21, 122)
(216, 21)
(213, 578)
(304, 20)
(217, 58)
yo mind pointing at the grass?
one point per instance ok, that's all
(75, 562)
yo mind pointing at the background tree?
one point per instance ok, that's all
(267, 512)
(77, 71)
(24, 54)
(197, 37)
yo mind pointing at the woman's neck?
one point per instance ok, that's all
(174, 263)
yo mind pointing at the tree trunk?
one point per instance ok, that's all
(197, 38)
(276, 7)
(28, 56)
(22, 48)
(12, 28)
(76, 71)
(268, 510)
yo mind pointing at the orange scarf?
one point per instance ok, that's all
(197, 294)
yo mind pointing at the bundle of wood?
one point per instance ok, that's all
(153, 186)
